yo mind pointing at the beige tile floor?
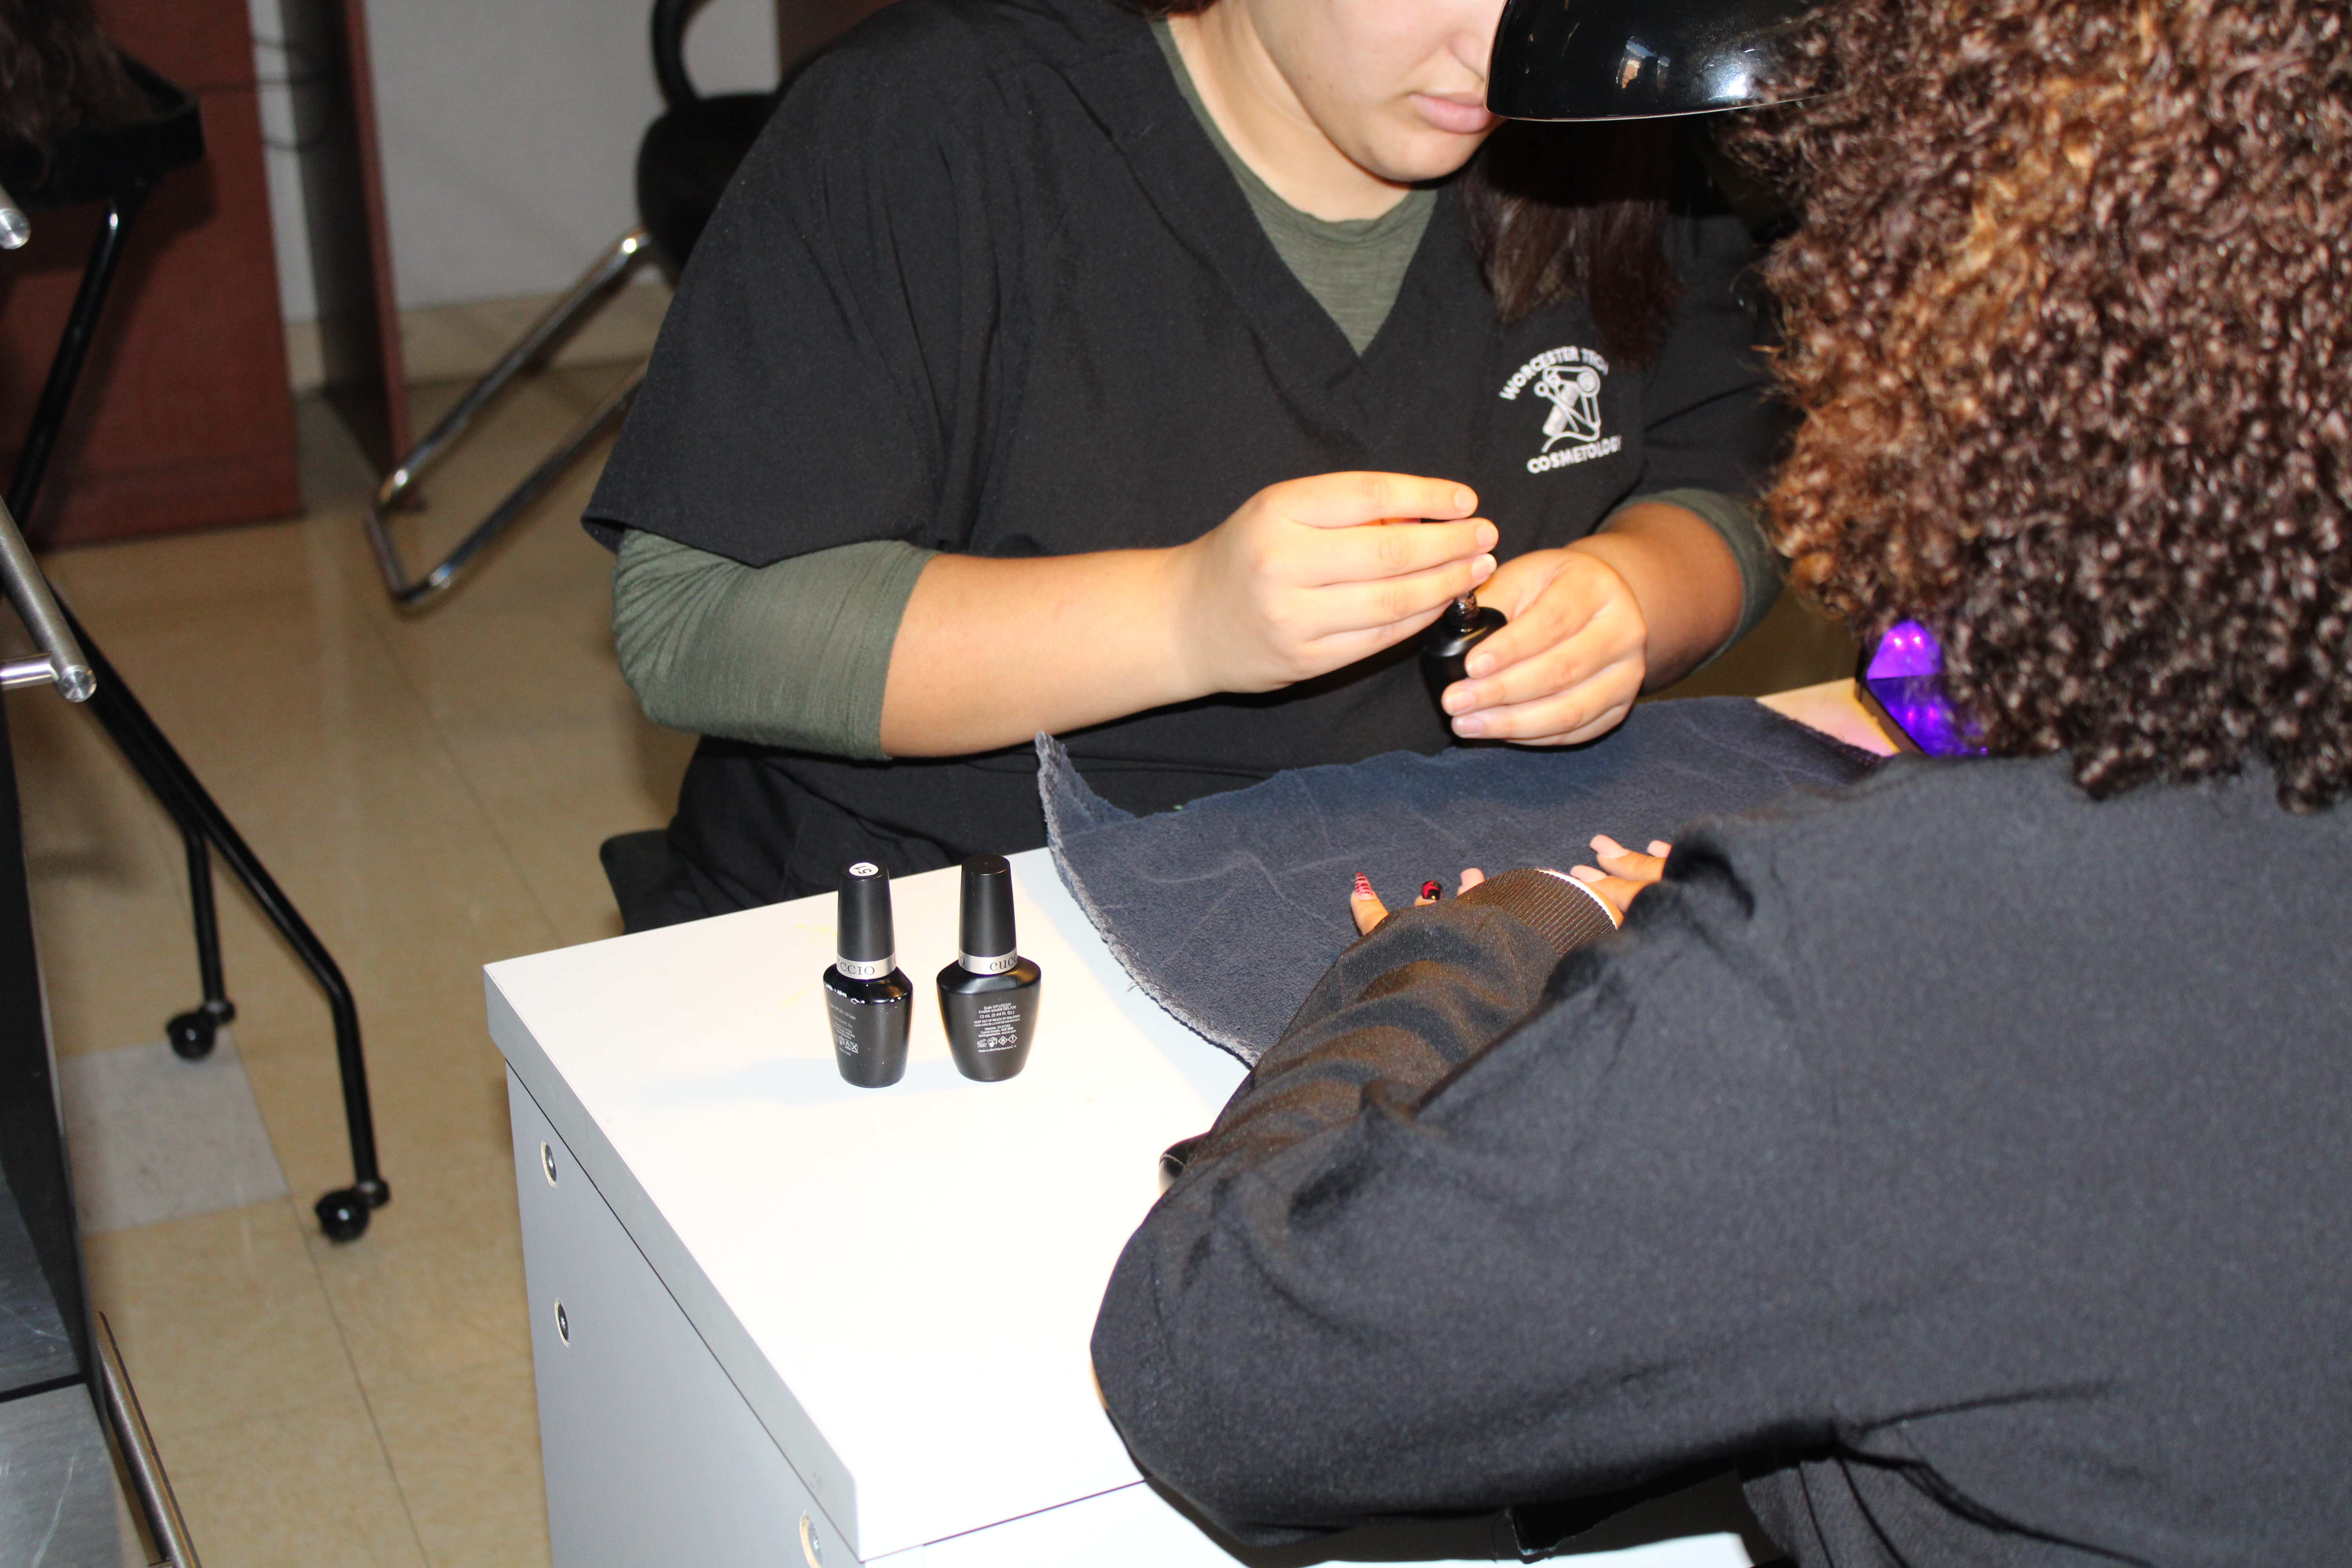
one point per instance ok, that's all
(430, 789)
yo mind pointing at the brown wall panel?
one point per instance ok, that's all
(183, 419)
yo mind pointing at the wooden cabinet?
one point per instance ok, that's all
(183, 418)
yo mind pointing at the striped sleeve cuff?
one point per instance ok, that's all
(1559, 908)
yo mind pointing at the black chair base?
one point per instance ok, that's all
(684, 163)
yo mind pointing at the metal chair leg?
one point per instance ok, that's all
(532, 351)
(342, 1214)
(193, 1033)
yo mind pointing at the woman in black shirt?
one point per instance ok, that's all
(1046, 363)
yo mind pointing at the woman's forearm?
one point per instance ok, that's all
(990, 651)
(1684, 577)
(1303, 579)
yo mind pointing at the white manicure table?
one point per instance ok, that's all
(780, 1322)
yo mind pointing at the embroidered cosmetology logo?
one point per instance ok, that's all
(1570, 380)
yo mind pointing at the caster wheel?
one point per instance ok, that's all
(192, 1035)
(343, 1215)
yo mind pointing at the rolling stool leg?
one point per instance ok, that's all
(343, 1212)
(193, 1033)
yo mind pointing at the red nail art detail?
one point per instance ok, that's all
(1430, 889)
(1363, 886)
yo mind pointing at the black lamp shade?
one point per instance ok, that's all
(1635, 59)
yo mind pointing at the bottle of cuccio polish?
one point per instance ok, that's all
(988, 998)
(1446, 646)
(867, 999)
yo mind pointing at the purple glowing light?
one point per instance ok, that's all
(1906, 676)
(1907, 649)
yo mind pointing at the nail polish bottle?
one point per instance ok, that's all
(1446, 646)
(869, 1001)
(988, 997)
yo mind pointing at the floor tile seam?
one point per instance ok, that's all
(429, 1387)
(367, 1404)
(505, 1361)
(271, 1203)
(382, 631)
(167, 1430)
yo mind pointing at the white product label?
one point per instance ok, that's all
(997, 1026)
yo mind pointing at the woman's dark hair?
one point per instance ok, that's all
(2070, 317)
(1554, 211)
(1558, 210)
(59, 74)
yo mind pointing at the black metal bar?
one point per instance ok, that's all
(73, 347)
(200, 900)
(192, 1034)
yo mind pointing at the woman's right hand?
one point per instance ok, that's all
(1302, 580)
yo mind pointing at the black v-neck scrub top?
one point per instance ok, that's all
(984, 286)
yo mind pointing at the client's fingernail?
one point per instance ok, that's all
(1466, 499)
(1585, 873)
(1479, 664)
(1481, 568)
(1660, 848)
(1429, 892)
(1470, 727)
(1459, 700)
(1606, 845)
(1363, 887)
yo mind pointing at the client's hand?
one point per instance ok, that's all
(1620, 879)
(1622, 873)
(1366, 905)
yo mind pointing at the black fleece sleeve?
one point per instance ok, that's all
(1412, 1272)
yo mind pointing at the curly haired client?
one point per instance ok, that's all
(1962, 1157)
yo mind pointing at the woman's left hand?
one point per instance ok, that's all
(1640, 604)
(1568, 665)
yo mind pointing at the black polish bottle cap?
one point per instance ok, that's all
(864, 938)
(987, 928)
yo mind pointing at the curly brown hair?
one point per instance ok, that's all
(2070, 314)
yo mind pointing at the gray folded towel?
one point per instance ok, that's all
(1228, 910)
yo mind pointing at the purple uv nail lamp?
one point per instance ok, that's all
(1902, 681)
